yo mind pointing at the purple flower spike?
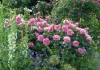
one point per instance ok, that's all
(42, 64)
(36, 64)
(60, 47)
(99, 56)
(45, 53)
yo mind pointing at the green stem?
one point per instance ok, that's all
(51, 52)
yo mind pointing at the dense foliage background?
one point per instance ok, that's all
(24, 23)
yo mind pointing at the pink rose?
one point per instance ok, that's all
(82, 31)
(84, 51)
(40, 29)
(50, 29)
(36, 34)
(40, 38)
(46, 28)
(83, 1)
(31, 21)
(71, 26)
(31, 44)
(66, 22)
(56, 37)
(78, 29)
(86, 28)
(89, 38)
(47, 18)
(66, 39)
(40, 24)
(37, 19)
(45, 23)
(57, 27)
(70, 32)
(76, 23)
(41, 20)
(65, 28)
(46, 41)
(18, 19)
(86, 35)
(5, 22)
(52, 25)
(81, 51)
(75, 43)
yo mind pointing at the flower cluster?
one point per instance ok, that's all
(65, 33)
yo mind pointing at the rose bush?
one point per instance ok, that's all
(67, 42)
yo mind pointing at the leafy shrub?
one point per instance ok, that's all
(50, 50)
(42, 6)
(75, 9)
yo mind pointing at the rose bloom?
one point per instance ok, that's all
(46, 28)
(70, 32)
(75, 43)
(18, 19)
(40, 29)
(81, 51)
(76, 23)
(64, 28)
(47, 18)
(89, 38)
(66, 39)
(5, 22)
(78, 29)
(66, 22)
(36, 34)
(56, 37)
(84, 51)
(52, 25)
(82, 31)
(71, 26)
(45, 23)
(37, 19)
(83, 1)
(50, 29)
(46, 41)
(57, 27)
(40, 24)
(31, 44)
(40, 38)
(86, 28)
(31, 21)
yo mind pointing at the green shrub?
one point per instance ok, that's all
(75, 10)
